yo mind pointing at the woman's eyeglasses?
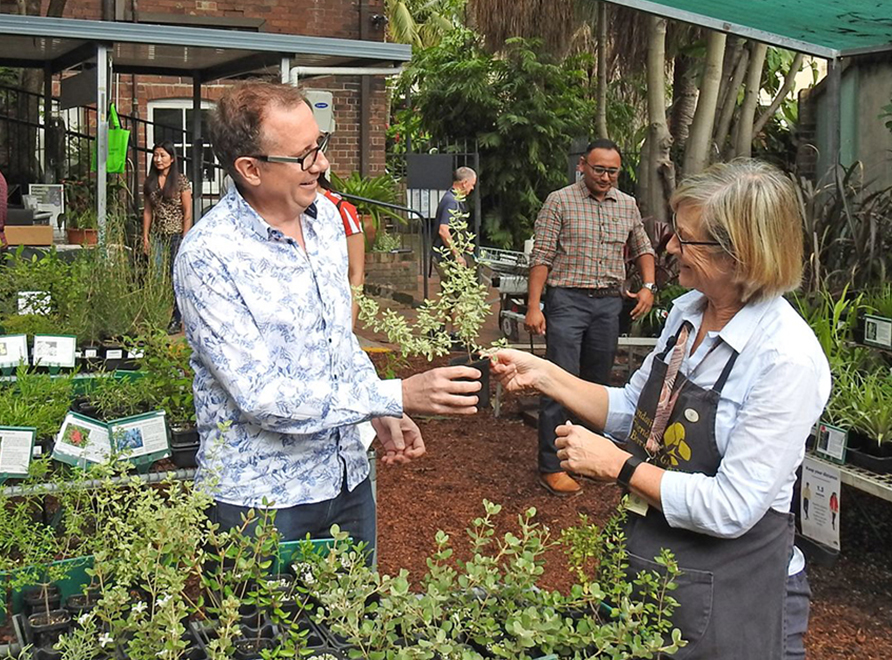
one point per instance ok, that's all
(682, 242)
(306, 161)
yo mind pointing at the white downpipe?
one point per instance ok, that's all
(298, 72)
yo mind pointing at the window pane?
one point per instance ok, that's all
(168, 124)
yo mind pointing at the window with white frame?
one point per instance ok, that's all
(171, 119)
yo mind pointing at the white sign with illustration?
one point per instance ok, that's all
(54, 350)
(820, 499)
(13, 350)
(138, 439)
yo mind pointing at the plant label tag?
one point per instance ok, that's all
(135, 354)
(114, 354)
(636, 505)
(90, 353)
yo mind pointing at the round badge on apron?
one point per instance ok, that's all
(692, 415)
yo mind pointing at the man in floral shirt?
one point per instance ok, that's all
(262, 284)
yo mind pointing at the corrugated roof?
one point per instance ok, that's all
(32, 41)
(825, 28)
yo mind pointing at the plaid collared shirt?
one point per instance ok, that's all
(581, 240)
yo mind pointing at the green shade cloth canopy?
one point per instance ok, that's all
(824, 28)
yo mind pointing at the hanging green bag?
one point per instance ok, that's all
(118, 140)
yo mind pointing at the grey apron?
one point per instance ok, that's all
(731, 592)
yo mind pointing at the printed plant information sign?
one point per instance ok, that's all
(16, 445)
(139, 439)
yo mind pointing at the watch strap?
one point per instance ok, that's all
(627, 470)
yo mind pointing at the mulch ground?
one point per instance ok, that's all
(483, 457)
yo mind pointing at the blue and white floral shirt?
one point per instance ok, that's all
(274, 353)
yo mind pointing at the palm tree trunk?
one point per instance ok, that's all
(684, 100)
(601, 116)
(662, 171)
(729, 103)
(744, 143)
(700, 142)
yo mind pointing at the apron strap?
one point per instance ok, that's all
(672, 341)
(720, 383)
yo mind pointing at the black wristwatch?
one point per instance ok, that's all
(627, 470)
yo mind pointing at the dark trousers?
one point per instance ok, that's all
(174, 241)
(796, 607)
(581, 332)
(353, 512)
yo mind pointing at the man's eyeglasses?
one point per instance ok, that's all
(682, 242)
(306, 161)
(600, 170)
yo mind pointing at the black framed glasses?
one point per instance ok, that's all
(682, 242)
(306, 161)
(600, 170)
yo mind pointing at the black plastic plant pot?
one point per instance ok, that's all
(83, 406)
(250, 648)
(91, 358)
(483, 367)
(46, 628)
(36, 602)
(325, 653)
(113, 355)
(184, 444)
(46, 654)
(77, 604)
(867, 460)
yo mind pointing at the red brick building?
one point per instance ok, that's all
(359, 102)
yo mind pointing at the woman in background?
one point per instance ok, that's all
(355, 237)
(167, 215)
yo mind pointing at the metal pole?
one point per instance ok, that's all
(103, 62)
(834, 114)
(148, 478)
(46, 160)
(197, 146)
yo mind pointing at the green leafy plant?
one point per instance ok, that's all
(379, 188)
(848, 231)
(35, 400)
(461, 301)
(521, 107)
(490, 605)
(165, 363)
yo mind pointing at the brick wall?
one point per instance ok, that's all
(321, 18)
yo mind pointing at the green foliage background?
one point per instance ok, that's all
(522, 106)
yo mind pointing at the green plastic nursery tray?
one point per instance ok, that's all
(77, 578)
(73, 583)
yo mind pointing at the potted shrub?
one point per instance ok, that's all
(869, 411)
(461, 301)
(82, 228)
(379, 188)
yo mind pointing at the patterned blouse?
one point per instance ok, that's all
(274, 354)
(167, 214)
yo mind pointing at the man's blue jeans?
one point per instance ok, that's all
(353, 512)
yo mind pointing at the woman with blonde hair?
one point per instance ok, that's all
(714, 423)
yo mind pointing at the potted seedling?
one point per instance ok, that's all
(461, 303)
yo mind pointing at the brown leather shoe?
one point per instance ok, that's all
(559, 483)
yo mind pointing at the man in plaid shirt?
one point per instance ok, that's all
(581, 233)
